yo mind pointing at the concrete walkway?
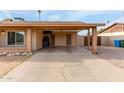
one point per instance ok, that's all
(65, 64)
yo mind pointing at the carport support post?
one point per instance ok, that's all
(88, 39)
(94, 40)
(29, 48)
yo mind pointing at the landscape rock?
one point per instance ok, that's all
(24, 54)
(4, 53)
(16, 53)
(9, 54)
(13, 54)
(0, 54)
(30, 53)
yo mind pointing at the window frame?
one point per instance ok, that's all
(15, 37)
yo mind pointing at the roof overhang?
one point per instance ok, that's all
(52, 25)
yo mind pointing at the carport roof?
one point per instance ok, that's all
(68, 25)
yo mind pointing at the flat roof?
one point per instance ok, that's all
(76, 25)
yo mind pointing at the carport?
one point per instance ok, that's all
(90, 27)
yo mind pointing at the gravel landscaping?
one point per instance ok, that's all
(16, 53)
(8, 63)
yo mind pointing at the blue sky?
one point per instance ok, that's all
(67, 15)
(64, 15)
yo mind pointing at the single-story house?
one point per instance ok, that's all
(26, 36)
(111, 33)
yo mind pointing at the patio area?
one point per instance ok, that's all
(71, 65)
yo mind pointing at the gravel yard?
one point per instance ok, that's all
(8, 63)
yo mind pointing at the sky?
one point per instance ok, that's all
(90, 16)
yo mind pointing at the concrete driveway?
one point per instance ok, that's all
(65, 64)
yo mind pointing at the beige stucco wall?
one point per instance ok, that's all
(60, 38)
(39, 37)
(74, 39)
(36, 39)
(113, 33)
(15, 48)
(109, 40)
(112, 38)
(105, 41)
(3, 38)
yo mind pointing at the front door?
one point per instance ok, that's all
(68, 39)
(46, 42)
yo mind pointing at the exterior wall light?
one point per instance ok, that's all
(3, 32)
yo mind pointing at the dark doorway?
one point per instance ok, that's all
(46, 42)
(68, 39)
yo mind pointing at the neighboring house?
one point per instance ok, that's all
(21, 36)
(111, 33)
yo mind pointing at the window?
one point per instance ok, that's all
(11, 38)
(15, 38)
(20, 38)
